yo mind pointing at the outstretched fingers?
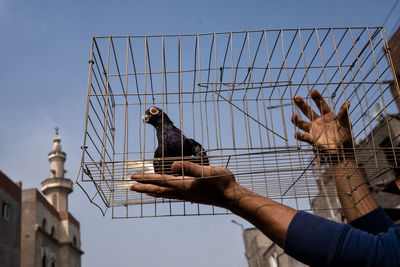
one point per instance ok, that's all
(304, 125)
(306, 137)
(156, 179)
(156, 191)
(320, 102)
(343, 115)
(305, 108)
(151, 188)
(179, 182)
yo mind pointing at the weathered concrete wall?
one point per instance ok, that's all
(52, 240)
(28, 231)
(262, 252)
(394, 44)
(379, 155)
(38, 238)
(47, 243)
(10, 229)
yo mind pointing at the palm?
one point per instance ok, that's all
(324, 131)
(329, 134)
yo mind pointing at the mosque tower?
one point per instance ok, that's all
(57, 187)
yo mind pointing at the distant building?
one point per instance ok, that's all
(262, 252)
(10, 222)
(38, 231)
(326, 203)
(386, 137)
(394, 44)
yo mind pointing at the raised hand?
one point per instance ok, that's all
(326, 131)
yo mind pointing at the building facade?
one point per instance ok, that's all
(50, 235)
(262, 252)
(37, 230)
(10, 222)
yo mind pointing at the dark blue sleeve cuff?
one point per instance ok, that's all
(313, 240)
(377, 221)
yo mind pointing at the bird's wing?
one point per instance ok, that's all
(191, 147)
(194, 149)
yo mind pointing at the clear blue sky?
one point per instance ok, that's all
(44, 49)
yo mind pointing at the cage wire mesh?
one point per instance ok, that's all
(233, 93)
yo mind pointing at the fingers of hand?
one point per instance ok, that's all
(306, 137)
(156, 191)
(305, 108)
(304, 125)
(149, 188)
(320, 102)
(343, 116)
(155, 179)
(190, 169)
(179, 183)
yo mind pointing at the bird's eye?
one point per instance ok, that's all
(153, 111)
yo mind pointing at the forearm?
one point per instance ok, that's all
(352, 189)
(271, 217)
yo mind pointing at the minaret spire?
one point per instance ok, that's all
(57, 187)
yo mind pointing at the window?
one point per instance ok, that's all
(44, 260)
(53, 231)
(44, 224)
(6, 211)
(74, 240)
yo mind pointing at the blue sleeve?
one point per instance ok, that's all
(317, 241)
(377, 221)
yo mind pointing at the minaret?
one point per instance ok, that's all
(57, 187)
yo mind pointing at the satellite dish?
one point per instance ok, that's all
(378, 111)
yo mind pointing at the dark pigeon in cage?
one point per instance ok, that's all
(169, 143)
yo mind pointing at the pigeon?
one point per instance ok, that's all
(173, 137)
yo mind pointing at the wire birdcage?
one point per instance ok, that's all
(233, 93)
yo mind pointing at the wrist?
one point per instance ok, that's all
(337, 156)
(234, 195)
(355, 197)
(271, 217)
(246, 203)
(343, 162)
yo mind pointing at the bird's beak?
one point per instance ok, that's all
(146, 118)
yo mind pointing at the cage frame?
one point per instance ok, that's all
(84, 169)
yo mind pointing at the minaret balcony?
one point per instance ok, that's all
(54, 154)
(57, 183)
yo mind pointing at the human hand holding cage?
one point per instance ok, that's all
(218, 186)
